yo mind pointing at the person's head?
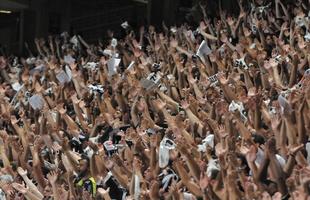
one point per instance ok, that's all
(48, 191)
(269, 39)
(258, 139)
(306, 187)
(83, 164)
(118, 114)
(272, 187)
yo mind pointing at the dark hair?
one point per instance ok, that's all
(84, 157)
(258, 139)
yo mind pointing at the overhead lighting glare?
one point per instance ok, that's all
(6, 11)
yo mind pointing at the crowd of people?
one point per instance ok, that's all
(218, 111)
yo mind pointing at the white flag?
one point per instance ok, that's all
(112, 66)
(203, 50)
(36, 102)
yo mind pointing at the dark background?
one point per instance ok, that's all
(89, 18)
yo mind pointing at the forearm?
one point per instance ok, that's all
(80, 116)
(109, 106)
(153, 159)
(5, 75)
(289, 166)
(168, 99)
(301, 130)
(193, 166)
(106, 196)
(5, 159)
(181, 50)
(230, 45)
(257, 119)
(38, 175)
(21, 134)
(290, 131)
(72, 192)
(193, 118)
(50, 119)
(285, 10)
(32, 187)
(278, 173)
(228, 93)
(187, 136)
(51, 45)
(248, 82)
(191, 186)
(83, 42)
(122, 180)
(125, 170)
(246, 134)
(77, 87)
(174, 93)
(120, 101)
(23, 159)
(265, 115)
(72, 160)
(277, 10)
(264, 77)
(194, 188)
(31, 196)
(93, 167)
(69, 121)
(39, 50)
(58, 51)
(254, 170)
(262, 172)
(43, 129)
(134, 116)
(261, 36)
(235, 28)
(181, 78)
(276, 76)
(197, 91)
(293, 75)
(56, 194)
(208, 36)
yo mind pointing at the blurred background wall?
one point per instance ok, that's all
(23, 20)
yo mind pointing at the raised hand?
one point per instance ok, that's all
(223, 38)
(3, 62)
(185, 104)
(109, 164)
(159, 103)
(242, 14)
(251, 154)
(14, 120)
(102, 192)
(62, 111)
(222, 132)
(20, 188)
(173, 43)
(137, 52)
(21, 171)
(74, 99)
(294, 149)
(222, 79)
(52, 177)
(230, 21)
(56, 147)
(273, 62)
(204, 181)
